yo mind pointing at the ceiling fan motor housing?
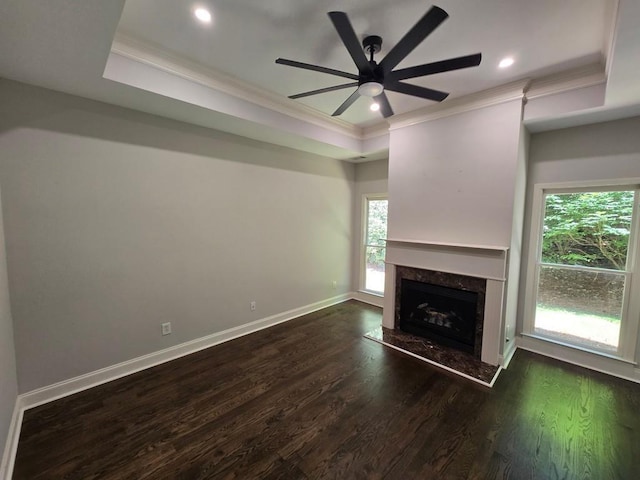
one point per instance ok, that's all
(372, 43)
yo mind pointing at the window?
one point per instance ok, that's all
(373, 252)
(585, 260)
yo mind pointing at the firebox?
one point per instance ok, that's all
(443, 314)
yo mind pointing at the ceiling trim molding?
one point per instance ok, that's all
(571, 80)
(610, 39)
(377, 130)
(525, 89)
(494, 96)
(142, 52)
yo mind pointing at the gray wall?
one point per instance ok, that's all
(117, 221)
(8, 380)
(370, 178)
(603, 151)
(452, 180)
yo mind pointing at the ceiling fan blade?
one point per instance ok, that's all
(385, 106)
(427, 24)
(346, 104)
(348, 35)
(316, 68)
(436, 67)
(324, 90)
(416, 91)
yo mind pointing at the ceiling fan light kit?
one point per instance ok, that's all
(370, 89)
(374, 78)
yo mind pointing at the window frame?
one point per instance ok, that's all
(630, 316)
(366, 198)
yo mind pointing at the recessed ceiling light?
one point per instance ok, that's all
(505, 62)
(374, 107)
(203, 15)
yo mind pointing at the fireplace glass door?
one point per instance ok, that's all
(445, 315)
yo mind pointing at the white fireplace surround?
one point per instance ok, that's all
(483, 261)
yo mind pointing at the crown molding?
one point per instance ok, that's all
(143, 52)
(610, 38)
(582, 77)
(156, 57)
(377, 130)
(493, 96)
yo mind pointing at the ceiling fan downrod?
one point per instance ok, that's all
(372, 45)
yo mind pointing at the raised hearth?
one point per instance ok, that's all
(450, 359)
(479, 269)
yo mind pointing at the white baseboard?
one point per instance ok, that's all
(88, 380)
(591, 361)
(505, 358)
(11, 446)
(68, 387)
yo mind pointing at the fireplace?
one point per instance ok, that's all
(451, 271)
(443, 307)
(443, 314)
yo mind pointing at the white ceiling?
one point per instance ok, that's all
(153, 56)
(246, 36)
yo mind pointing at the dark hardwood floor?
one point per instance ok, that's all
(313, 399)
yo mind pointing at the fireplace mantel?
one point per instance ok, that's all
(482, 261)
(449, 245)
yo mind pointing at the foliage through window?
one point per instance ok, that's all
(590, 229)
(583, 271)
(374, 243)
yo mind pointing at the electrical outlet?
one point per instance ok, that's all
(253, 306)
(166, 328)
(334, 284)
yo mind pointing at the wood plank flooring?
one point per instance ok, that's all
(312, 399)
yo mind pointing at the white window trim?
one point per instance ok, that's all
(631, 309)
(364, 216)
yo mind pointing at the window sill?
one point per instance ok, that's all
(371, 292)
(599, 353)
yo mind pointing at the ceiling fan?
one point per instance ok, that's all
(374, 78)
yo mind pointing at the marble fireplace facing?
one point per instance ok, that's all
(450, 295)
